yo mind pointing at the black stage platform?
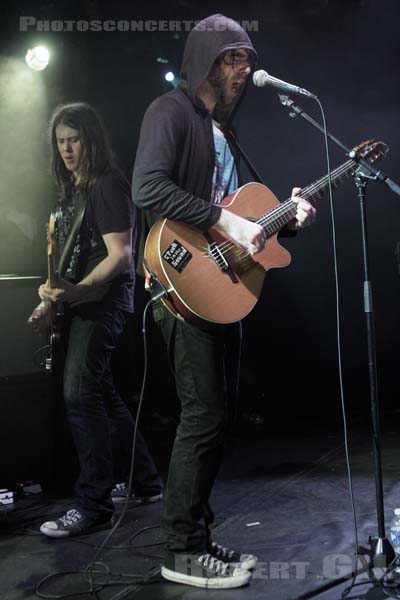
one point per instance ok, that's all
(282, 494)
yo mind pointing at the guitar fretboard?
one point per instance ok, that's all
(278, 217)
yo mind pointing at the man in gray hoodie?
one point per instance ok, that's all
(186, 163)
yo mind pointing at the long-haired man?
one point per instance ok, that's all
(97, 292)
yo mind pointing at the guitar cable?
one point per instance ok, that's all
(96, 567)
(37, 353)
(156, 295)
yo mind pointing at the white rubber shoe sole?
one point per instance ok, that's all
(237, 578)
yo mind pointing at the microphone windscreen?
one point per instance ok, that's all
(259, 77)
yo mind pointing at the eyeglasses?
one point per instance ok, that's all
(238, 61)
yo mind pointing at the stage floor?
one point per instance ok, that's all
(282, 494)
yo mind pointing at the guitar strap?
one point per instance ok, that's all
(285, 232)
(248, 163)
(73, 234)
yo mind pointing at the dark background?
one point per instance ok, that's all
(346, 52)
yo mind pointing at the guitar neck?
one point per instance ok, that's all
(51, 251)
(277, 218)
(51, 270)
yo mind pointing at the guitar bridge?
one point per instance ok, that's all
(214, 251)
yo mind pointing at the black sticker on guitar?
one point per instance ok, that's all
(177, 256)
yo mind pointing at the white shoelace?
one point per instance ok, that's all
(221, 550)
(70, 517)
(212, 563)
(120, 489)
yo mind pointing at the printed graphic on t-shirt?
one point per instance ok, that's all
(225, 180)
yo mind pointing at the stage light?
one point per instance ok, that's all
(170, 77)
(37, 58)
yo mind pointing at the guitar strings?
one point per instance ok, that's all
(273, 215)
(278, 214)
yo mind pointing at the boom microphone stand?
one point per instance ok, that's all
(382, 552)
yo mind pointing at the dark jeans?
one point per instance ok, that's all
(100, 422)
(197, 358)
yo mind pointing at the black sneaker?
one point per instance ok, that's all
(243, 561)
(205, 571)
(75, 523)
(120, 494)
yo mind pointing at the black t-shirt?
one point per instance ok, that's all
(109, 209)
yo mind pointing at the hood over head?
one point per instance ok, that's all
(207, 40)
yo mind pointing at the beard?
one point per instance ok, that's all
(218, 83)
(225, 104)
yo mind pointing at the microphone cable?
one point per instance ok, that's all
(339, 356)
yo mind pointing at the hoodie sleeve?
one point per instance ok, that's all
(157, 159)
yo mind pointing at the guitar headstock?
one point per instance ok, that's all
(371, 151)
(51, 229)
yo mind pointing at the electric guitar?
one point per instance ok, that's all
(207, 276)
(55, 315)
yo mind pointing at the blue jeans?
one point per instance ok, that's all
(197, 359)
(100, 422)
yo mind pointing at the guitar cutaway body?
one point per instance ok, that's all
(208, 278)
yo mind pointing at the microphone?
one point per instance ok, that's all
(262, 78)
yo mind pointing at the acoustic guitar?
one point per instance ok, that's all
(207, 276)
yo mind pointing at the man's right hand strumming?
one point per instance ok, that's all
(248, 235)
(41, 317)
